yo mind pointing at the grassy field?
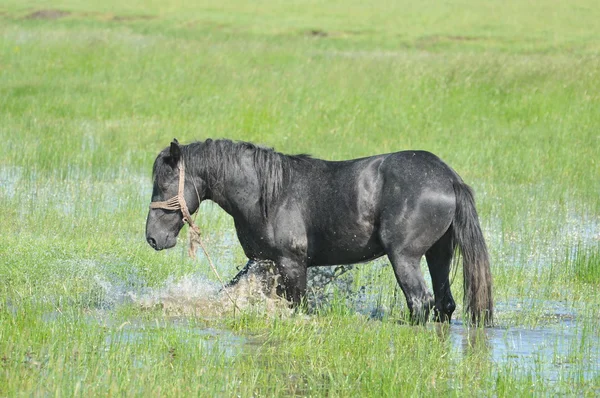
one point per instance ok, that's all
(508, 93)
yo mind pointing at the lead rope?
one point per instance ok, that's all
(178, 203)
(196, 239)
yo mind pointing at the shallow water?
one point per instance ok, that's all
(545, 352)
(228, 344)
(558, 347)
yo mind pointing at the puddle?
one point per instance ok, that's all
(547, 353)
(227, 344)
(9, 179)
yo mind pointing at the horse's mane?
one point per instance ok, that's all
(217, 159)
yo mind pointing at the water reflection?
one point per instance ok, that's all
(546, 353)
(469, 341)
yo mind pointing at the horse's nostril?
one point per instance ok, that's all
(151, 242)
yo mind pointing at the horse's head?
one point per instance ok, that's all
(175, 196)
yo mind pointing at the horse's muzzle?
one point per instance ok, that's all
(160, 241)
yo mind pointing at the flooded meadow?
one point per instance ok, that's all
(89, 97)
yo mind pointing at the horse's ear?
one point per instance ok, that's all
(175, 151)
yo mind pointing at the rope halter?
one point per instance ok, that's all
(178, 202)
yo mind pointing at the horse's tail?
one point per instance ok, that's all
(468, 237)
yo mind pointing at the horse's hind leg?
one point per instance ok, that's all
(410, 278)
(439, 259)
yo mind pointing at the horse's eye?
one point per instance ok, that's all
(164, 190)
(159, 189)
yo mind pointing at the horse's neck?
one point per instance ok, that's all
(238, 190)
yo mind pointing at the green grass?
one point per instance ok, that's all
(506, 93)
(586, 264)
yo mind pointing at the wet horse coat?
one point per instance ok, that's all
(301, 212)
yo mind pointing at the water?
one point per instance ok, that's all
(544, 352)
(227, 344)
(9, 178)
(547, 352)
(197, 296)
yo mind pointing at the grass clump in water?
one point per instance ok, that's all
(585, 263)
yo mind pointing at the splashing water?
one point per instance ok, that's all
(256, 288)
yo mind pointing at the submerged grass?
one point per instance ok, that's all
(90, 92)
(586, 264)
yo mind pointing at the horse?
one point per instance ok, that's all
(298, 212)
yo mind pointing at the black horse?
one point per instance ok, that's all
(300, 212)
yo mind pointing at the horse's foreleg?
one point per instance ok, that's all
(241, 274)
(293, 273)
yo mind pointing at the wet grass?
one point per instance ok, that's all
(586, 264)
(90, 92)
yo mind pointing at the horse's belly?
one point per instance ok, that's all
(345, 251)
